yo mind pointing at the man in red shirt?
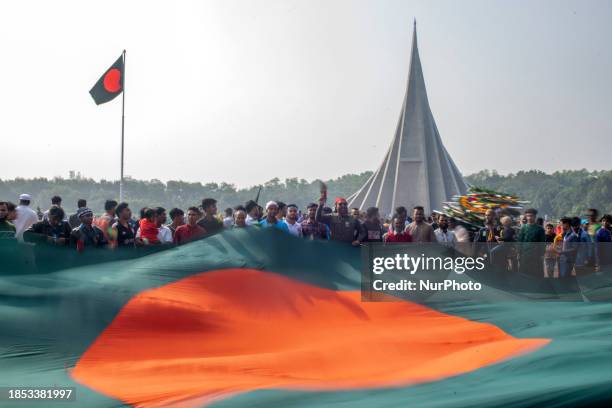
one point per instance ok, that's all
(399, 233)
(190, 231)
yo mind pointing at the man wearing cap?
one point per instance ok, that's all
(271, 220)
(26, 217)
(73, 219)
(531, 249)
(54, 230)
(293, 226)
(342, 226)
(87, 234)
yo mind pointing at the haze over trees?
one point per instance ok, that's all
(567, 192)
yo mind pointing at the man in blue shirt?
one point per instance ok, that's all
(271, 221)
(567, 255)
(604, 243)
(584, 252)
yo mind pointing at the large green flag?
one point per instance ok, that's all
(252, 318)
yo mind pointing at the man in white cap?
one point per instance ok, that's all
(271, 221)
(26, 217)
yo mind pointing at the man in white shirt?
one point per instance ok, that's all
(295, 228)
(26, 217)
(252, 210)
(443, 235)
(228, 220)
(164, 234)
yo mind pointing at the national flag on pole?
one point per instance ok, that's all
(110, 84)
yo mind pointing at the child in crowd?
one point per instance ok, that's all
(148, 227)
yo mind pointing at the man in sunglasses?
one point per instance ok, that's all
(342, 226)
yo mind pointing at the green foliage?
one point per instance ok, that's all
(567, 192)
(141, 193)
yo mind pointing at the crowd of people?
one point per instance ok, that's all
(569, 247)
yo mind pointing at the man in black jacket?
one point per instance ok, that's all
(54, 230)
(342, 226)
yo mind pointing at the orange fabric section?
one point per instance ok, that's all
(224, 332)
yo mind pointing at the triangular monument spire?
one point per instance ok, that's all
(417, 169)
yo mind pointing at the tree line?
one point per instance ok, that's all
(560, 193)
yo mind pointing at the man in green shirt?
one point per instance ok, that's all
(7, 230)
(594, 225)
(532, 237)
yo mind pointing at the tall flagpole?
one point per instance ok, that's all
(122, 130)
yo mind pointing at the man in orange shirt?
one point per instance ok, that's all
(106, 221)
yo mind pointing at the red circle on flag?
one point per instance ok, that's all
(112, 80)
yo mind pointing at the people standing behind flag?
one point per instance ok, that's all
(567, 253)
(531, 253)
(550, 255)
(444, 235)
(209, 222)
(293, 226)
(55, 200)
(191, 230)
(228, 221)
(372, 228)
(505, 254)
(252, 210)
(402, 213)
(593, 223)
(177, 218)
(164, 234)
(603, 240)
(491, 230)
(420, 231)
(54, 230)
(584, 252)
(507, 232)
(26, 217)
(271, 219)
(86, 234)
(433, 220)
(282, 210)
(311, 228)
(73, 219)
(342, 226)
(398, 233)
(7, 230)
(106, 220)
(123, 233)
(487, 237)
(239, 218)
(148, 230)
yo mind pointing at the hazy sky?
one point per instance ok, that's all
(244, 91)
